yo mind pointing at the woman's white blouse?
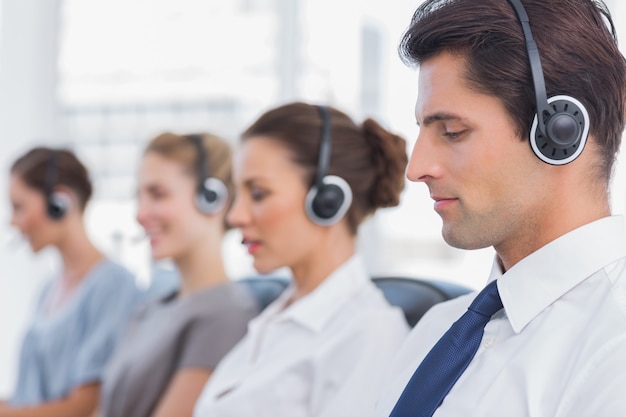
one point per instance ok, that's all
(322, 356)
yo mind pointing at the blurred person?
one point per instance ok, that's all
(306, 177)
(80, 313)
(521, 107)
(172, 345)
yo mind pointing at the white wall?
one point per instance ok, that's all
(28, 113)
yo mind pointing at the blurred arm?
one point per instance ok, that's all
(79, 403)
(182, 393)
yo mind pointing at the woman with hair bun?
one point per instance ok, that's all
(80, 313)
(306, 177)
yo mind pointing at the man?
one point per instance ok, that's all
(553, 340)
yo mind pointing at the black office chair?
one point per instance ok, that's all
(414, 296)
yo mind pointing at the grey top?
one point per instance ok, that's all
(71, 346)
(169, 335)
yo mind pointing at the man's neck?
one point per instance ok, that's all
(516, 248)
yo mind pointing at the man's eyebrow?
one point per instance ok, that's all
(437, 117)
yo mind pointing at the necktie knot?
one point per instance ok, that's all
(487, 302)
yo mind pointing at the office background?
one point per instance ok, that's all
(103, 76)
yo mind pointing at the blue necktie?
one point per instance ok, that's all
(448, 359)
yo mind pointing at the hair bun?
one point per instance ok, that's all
(389, 160)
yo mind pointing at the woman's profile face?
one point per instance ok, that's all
(269, 206)
(29, 214)
(165, 207)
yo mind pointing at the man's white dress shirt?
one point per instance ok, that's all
(322, 356)
(558, 348)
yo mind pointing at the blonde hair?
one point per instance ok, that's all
(181, 149)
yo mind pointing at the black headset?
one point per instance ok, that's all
(57, 204)
(561, 125)
(330, 197)
(211, 193)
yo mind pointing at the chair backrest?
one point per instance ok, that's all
(416, 296)
(413, 295)
(265, 289)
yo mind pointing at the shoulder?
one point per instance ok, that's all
(110, 275)
(239, 296)
(435, 321)
(597, 388)
(112, 283)
(611, 355)
(370, 302)
(616, 275)
(369, 315)
(226, 303)
(114, 271)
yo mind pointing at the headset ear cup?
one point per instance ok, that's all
(212, 196)
(328, 204)
(57, 205)
(566, 132)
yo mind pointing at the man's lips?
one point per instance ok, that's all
(442, 203)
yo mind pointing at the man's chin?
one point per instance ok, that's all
(465, 241)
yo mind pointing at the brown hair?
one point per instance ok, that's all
(44, 168)
(181, 149)
(371, 159)
(579, 56)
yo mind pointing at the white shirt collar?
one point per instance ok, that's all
(538, 280)
(315, 309)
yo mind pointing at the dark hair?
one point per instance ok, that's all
(579, 55)
(371, 159)
(34, 168)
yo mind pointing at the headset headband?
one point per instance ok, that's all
(325, 147)
(201, 161)
(541, 96)
(50, 179)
